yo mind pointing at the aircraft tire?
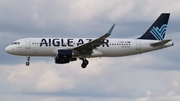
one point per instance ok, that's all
(27, 63)
(86, 62)
(83, 65)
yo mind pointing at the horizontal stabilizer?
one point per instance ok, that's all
(160, 43)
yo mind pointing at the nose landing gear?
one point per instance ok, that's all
(28, 59)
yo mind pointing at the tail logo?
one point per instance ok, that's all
(159, 33)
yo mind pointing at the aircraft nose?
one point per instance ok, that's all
(8, 49)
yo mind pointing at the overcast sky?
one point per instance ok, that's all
(153, 76)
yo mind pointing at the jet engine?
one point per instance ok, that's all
(64, 56)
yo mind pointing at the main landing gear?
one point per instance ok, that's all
(28, 59)
(84, 63)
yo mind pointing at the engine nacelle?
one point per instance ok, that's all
(64, 56)
(61, 61)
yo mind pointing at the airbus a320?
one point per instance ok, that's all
(66, 50)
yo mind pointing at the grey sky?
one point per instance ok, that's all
(147, 77)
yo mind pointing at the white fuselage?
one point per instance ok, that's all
(112, 47)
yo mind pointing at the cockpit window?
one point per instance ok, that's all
(16, 43)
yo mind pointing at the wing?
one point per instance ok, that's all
(87, 49)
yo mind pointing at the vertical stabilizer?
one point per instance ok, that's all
(157, 30)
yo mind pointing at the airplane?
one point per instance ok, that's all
(66, 50)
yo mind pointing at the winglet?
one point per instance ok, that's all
(110, 31)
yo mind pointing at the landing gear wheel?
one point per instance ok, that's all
(85, 63)
(27, 63)
(28, 59)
